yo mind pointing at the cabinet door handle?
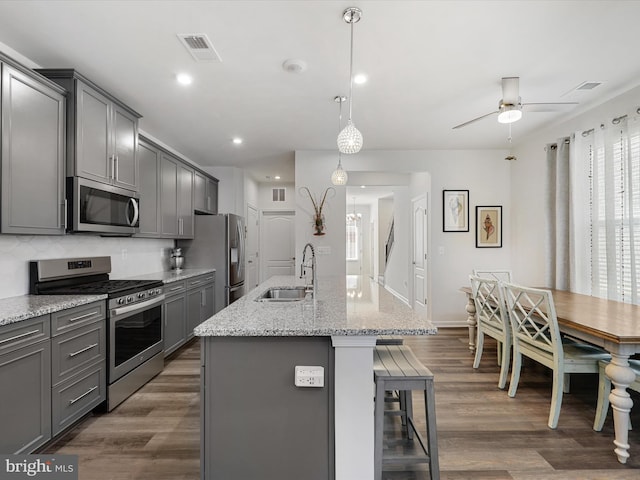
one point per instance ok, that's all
(94, 345)
(22, 335)
(179, 287)
(75, 319)
(117, 166)
(71, 402)
(112, 159)
(203, 299)
(196, 282)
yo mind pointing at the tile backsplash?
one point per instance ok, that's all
(129, 256)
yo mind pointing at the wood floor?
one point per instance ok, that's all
(483, 434)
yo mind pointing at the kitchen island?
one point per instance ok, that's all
(255, 422)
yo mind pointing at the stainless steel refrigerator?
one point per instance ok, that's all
(218, 243)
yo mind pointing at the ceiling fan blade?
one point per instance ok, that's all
(475, 120)
(510, 90)
(548, 107)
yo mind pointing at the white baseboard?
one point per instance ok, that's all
(402, 298)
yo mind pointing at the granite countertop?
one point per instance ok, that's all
(343, 307)
(15, 309)
(175, 275)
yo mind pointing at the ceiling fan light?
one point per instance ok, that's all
(349, 139)
(509, 114)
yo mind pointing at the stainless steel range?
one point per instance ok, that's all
(135, 350)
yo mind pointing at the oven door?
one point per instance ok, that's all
(135, 335)
(101, 208)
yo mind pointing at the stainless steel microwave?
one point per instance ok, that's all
(101, 208)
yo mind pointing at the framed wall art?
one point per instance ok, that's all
(489, 227)
(455, 210)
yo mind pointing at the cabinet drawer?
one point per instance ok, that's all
(26, 332)
(76, 316)
(77, 396)
(174, 288)
(200, 280)
(76, 350)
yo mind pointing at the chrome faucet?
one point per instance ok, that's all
(304, 265)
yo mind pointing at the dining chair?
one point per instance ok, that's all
(492, 320)
(604, 389)
(536, 335)
(500, 275)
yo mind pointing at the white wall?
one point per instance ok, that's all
(528, 185)
(129, 256)
(396, 275)
(484, 173)
(385, 216)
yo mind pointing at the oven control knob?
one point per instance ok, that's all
(120, 301)
(129, 299)
(158, 291)
(151, 292)
(141, 295)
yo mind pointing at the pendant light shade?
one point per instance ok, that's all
(339, 177)
(350, 138)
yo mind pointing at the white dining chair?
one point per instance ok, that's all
(500, 275)
(604, 389)
(492, 320)
(536, 335)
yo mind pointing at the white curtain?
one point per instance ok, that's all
(605, 187)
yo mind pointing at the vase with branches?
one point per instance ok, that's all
(318, 217)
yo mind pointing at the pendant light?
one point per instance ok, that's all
(339, 176)
(350, 138)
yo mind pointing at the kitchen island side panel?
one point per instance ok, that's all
(257, 424)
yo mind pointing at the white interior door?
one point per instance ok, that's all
(277, 240)
(251, 277)
(419, 260)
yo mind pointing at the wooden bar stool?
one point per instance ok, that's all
(395, 367)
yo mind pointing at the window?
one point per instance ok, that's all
(613, 157)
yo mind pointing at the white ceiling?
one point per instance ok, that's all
(431, 66)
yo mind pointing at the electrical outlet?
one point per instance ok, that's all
(306, 376)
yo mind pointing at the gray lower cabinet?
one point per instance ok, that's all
(78, 363)
(52, 373)
(33, 149)
(200, 301)
(25, 380)
(175, 316)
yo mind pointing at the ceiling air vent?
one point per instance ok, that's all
(588, 85)
(200, 47)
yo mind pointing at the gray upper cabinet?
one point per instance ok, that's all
(176, 197)
(33, 129)
(205, 194)
(150, 214)
(102, 132)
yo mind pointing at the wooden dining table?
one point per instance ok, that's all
(610, 324)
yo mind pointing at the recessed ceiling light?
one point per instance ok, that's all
(184, 79)
(277, 177)
(360, 79)
(237, 140)
(363, 186)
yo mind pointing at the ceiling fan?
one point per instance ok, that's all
(510, 106)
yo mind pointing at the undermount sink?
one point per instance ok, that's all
(283, 294)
